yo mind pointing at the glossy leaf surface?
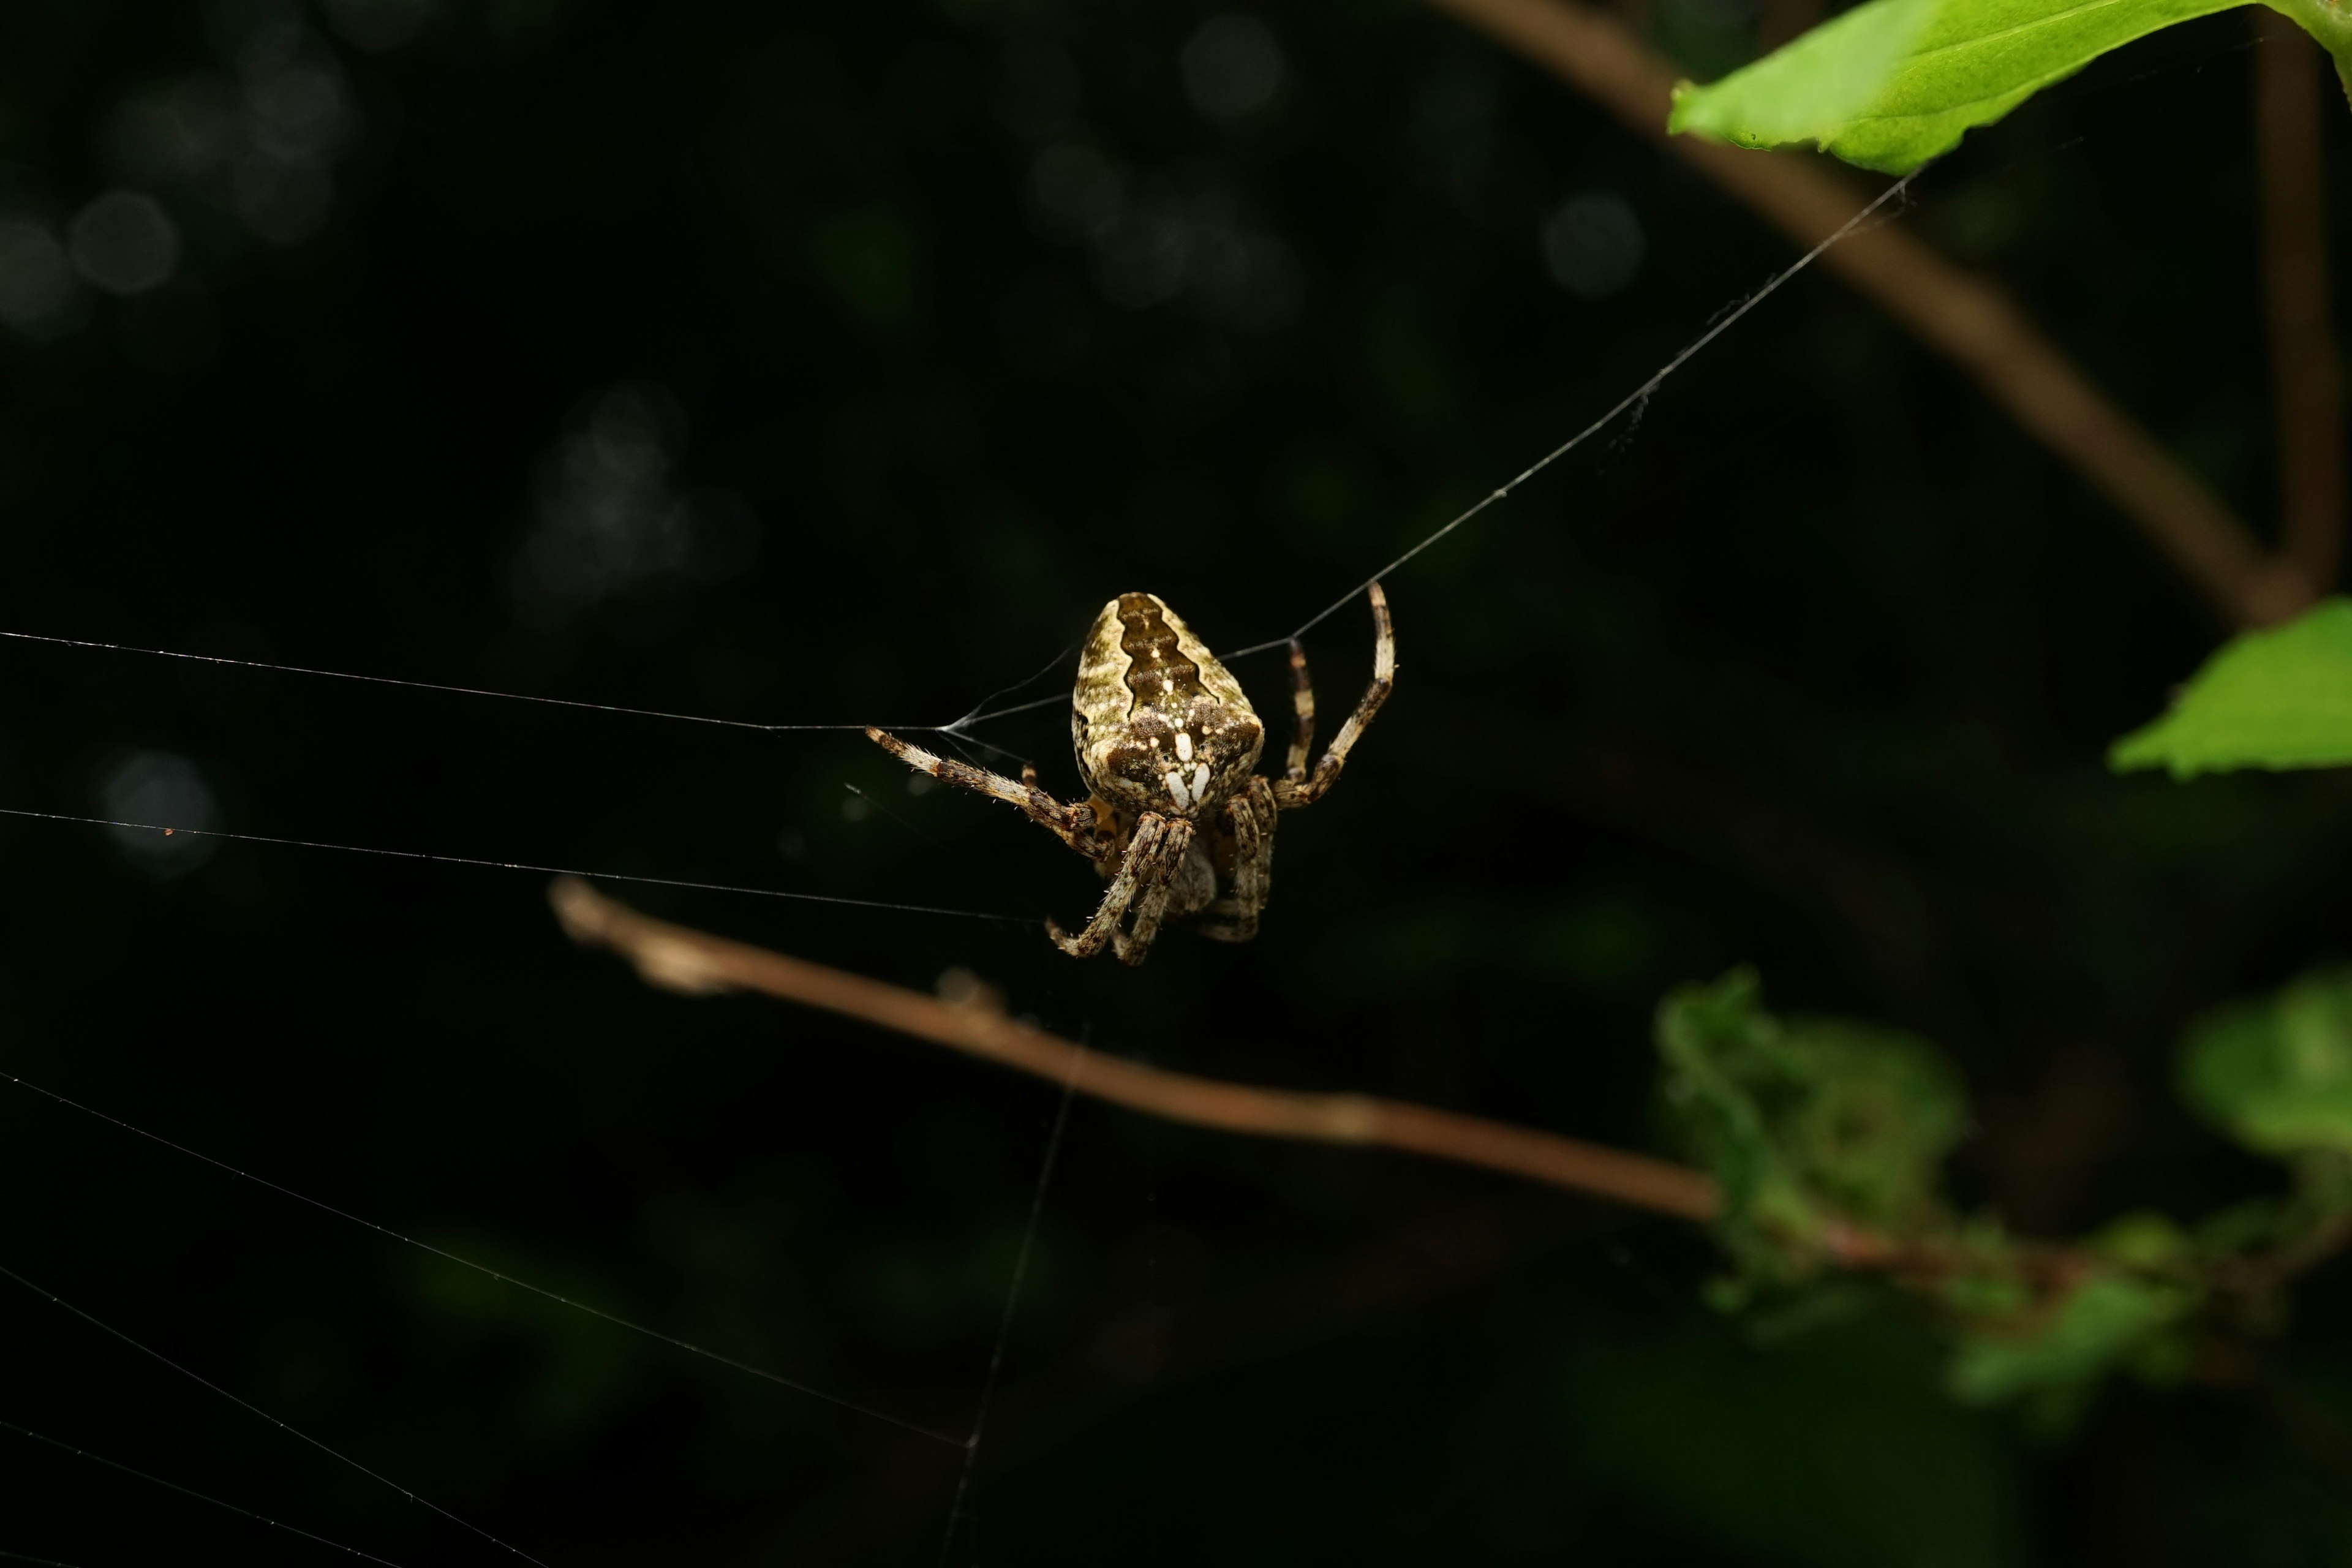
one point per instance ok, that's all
(2279, 698)
(1892, 83)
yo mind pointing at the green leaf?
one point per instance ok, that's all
(2107, 1323)
(1892, 83)
(1806, 1121)
(2280, 698)
(2276, 1073)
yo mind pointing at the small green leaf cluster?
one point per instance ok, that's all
(1816, 1127)
(2127, 1301)
(1828, 1137)
(2276, 1073)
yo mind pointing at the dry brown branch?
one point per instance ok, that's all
(1962, 316)
(696, 963)
(2288, 148)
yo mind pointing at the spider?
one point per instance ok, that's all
(1166, 740)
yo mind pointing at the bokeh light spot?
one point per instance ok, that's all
(1232, 65)
(611, 517)
(124, 243)
(165, 790)
(1594, 244)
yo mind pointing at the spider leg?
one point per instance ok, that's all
(1076, 825)
(1248, 819)
(1153, 854)
(1290, 793)
(1151, 908)
(1302, 703)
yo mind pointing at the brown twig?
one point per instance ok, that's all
(677, 958)
(2287, 149)
(1966, 319)
(695, 963)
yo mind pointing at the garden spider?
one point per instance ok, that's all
(1166, 741)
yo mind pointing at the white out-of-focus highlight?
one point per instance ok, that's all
(1594, 244)
(162, 789)
(123, 243)
(1232, 67)
(613, 517)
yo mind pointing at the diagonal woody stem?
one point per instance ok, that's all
(2288, 90)
(696, 963)
(1965, 318)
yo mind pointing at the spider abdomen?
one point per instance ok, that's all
(1158, 723)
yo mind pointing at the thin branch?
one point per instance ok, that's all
(696, 963)
(1965, 318)
(2288, 148)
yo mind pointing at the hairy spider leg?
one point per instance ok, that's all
(1244, 856)
(1290, 793)
(1144, 881)
(1302, 705)
(1130, 945)
(1076, 825)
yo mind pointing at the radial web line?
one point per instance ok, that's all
(456, 690)
(598, 1312)
(976, 713)
(188, 1493)
(1633, 399)
(6, 1556)
(956, 1514)
(57, 1301)
(973, 717)
(522, 866)
(977, 717)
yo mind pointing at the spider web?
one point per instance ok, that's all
(959, 731)
(125, 1323)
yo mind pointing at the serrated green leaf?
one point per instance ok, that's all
(2280, 698)
(1805, 1121)
(1892, 83)
(2276, 1073)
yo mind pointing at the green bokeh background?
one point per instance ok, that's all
(869, 348)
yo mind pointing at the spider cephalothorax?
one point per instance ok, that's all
(1166, 741)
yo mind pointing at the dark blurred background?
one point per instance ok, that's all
(832, 364)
